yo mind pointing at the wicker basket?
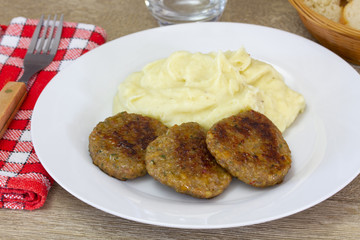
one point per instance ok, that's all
(341, 39)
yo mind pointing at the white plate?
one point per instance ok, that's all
(324, 139)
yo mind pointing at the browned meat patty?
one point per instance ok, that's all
(251, 148)
(181, 160)
(117, 145)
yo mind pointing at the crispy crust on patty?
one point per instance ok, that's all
(251, 148)
(181, 160)
(117, 145)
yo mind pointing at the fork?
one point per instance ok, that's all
(40, 54)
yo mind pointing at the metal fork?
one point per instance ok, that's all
(40, 54)
(42, 50)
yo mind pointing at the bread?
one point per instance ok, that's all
(351, 14)
(331, 9)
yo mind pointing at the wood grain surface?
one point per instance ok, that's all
(65, 217)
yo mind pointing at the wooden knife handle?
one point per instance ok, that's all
(11, 97)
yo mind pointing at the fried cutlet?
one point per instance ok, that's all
(251, 148)
(117, 145)
(181, 160)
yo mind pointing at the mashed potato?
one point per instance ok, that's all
(206, 88)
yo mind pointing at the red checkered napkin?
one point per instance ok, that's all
(24, 183)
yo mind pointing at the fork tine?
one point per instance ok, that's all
(36, 35)
(42, 39)
(47, 46)
(56, 42)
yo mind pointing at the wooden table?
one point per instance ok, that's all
(65, 217)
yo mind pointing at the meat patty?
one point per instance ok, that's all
(251, 148)
(117, 145)
(181, 160)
